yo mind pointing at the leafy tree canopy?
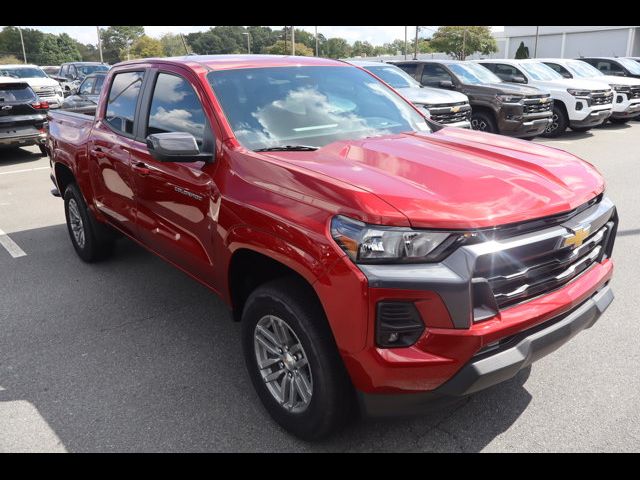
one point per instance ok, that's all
(462, 41)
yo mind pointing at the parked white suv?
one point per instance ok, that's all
(626, 103)
(577, 103)
(45, 87)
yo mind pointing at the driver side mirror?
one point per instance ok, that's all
(176, 147)
(446, 84)
(516, 78)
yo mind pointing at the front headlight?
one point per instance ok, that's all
(509, 98)
(578, 93)
(380, 244)
(621, 88)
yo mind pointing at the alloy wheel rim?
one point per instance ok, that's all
(283, 364)
(554, 123)
(75, 220)
(479, 125)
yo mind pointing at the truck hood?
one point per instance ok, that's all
(614, 80)
(41, 82)
(565, 83)
(457, 179)
(431, 96)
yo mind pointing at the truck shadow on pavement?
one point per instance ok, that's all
(130, 354)
(18, 156)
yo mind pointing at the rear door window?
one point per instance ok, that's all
(16, 93)
(87, 86)
(122, 102)
(433, 74)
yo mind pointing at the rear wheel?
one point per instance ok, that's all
(483, 122)
(559, 123)
(91, 240)
(293, 361)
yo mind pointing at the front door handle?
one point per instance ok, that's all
(141, 168)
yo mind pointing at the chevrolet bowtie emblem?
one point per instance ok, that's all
(543, 100)
(578, 236)
(455, 109)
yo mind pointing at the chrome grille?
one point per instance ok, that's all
(634, 93)
(450, 112)
(601, 97)
(537, 105)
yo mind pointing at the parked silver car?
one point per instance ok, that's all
(444, 106)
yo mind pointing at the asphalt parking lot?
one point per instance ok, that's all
(133, 355)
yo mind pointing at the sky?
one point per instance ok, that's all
(374, 35)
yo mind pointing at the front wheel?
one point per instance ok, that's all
(559, 123)
(483, 122)
(293, 361)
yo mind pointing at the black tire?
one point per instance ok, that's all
(559, 124)
(582, 129)
(483, 122)
(98, 239)
(43, 151)
(619, 120)
(332, 398)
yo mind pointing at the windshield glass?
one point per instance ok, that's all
(540, 71)
(85, 70)
(394, 76)
(631, 65)
(22, 72)
(583, 69)
(313, 106)
(473, 73)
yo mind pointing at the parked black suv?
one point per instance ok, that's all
(23, 116)
(621, 67)
(498, 107)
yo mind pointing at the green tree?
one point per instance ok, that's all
(522, 51)
(172, 45)
(337, 48)
(88, 52)
(9, 59)
(145, 47)
(278, 48)
(10, 43)
(363, 49)
(261, 37)
(218, 40)
(116, 39)
(452, 39)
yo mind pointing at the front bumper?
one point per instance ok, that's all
(593, 118)
(625, 108)
(23, 138)
(495, 366)
(514, 122)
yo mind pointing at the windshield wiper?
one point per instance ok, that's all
(288, 148)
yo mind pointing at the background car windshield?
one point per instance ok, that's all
(16, 92)
(314, 106)
(22, 72)
(89, 69)
(584, 70)
(540, 71)
(631, 65)
(394, 76)
(473, 73)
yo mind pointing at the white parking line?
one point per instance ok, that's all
(25, 170)
(10, 246)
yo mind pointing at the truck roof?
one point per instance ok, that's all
(230, 62)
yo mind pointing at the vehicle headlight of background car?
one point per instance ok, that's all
(510, 98)
(578, 93)
(621, 88)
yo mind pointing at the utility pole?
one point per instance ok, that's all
(248, 41)
(99, 44)
(186, 50)
(317, 42)
(285, 40)
(464, 43)
(535, 48)
(24, 53)
(405, 42)
(293, 40)
(415, 47)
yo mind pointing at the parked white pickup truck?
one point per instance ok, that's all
(577, 103)
(626, 104)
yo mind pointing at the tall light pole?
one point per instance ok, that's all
(248, 41)
(24, 53)
(293, 40)
(415, 47)
(405, 42)
(99, 44)
(535, 48)
(317, 42)
(184, 44)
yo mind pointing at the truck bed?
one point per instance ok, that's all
(69, 129)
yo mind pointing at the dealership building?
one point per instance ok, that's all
(569, 42)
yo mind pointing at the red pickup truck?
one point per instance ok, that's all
(376, 260)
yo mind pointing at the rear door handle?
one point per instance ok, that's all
(141, 168)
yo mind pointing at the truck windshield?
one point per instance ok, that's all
(394, 76)
(541, 72)
(310, 105)
(84, 70)
(22, 72)
(583, 69)
(631, 65)
(474, 74)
